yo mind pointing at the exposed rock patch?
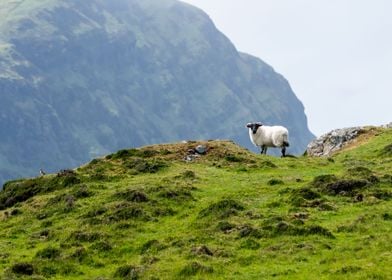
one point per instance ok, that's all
(333, 141)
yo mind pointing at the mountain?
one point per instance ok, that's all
(81, 79)
(228, 214)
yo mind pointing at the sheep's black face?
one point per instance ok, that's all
(253, 127)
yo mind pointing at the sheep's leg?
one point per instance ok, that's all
(264, 150)
(283, 151)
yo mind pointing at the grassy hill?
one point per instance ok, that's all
(230, 214)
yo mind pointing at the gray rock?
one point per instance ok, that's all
(333, 141)
(201, 149)
(189, 158)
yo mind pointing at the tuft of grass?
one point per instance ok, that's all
(48, 253)
(82, 236)
(273, 182)
(222, 209)
(130, 272)
(151, 246)
(387, 150)
(234, 158)
(132, 195)
(195, 268)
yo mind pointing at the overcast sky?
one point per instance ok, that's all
(336, 54)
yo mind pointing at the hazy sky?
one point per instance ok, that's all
(336, 54)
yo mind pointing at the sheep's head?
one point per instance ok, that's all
(254, 126)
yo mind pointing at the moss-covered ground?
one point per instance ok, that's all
(149, 214)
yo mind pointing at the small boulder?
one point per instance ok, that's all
(201, 149)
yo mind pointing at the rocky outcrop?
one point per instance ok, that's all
(333, 141)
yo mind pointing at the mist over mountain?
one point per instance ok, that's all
(80, 79)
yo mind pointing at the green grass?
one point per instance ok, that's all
(147, 214)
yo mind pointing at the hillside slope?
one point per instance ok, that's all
(79, 79)
(229, 214)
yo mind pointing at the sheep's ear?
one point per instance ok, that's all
(248, 125)
(259, 124)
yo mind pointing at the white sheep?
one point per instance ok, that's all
(264, 136)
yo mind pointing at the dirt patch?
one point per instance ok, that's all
(23, 268)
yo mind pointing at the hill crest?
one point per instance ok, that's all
(149, 212)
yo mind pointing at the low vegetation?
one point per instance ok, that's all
(149, 213)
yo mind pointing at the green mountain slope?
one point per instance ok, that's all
(230, 214)
(79, 79)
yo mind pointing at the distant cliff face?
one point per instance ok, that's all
(79, 79)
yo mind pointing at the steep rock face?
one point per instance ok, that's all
(79, 79)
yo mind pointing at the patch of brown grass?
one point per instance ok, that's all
(362, 139)
(216, 149)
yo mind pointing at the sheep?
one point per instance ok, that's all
(268, 136)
